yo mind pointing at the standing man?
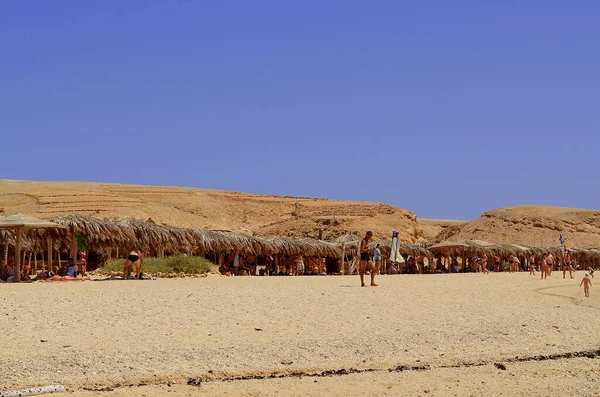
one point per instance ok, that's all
(568, 265)
(365, 260)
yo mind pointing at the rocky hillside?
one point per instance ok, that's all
(531, 225)
(261, 215)
(430, 229)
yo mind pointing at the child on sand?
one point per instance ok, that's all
(586, 282)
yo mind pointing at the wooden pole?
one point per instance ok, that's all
(6, 253)
(342, 268)
(73, 246)
(18, 255)
(49, 265)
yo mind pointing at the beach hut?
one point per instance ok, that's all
(228, 241)
(18, 223)
(159, 238)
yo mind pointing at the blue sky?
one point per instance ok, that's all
(446, 108)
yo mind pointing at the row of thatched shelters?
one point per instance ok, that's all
(469, 248)
(127, 234)
(101, 235)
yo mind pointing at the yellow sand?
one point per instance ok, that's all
(98, 334)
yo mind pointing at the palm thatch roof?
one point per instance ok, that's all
(471, 247)
(306, 247)
(386, 248)
(150, 236)
(405, 249)
(98, 234)
(348, 239)
(223, 240)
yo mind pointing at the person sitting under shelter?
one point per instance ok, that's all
(69, 275)
(10, 271)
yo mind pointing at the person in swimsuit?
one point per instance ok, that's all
(550, 262)
(136, 257)
(83, 262)
(513, 261)
(70, 274)
(544, 266)
(590, 271)
(586, 282)
(377, 258)
(298, 266)
(10, 271)
(420, 264)
(531, 265)
(568, 265)
(365, 260)
(484, 262)
(497, 263)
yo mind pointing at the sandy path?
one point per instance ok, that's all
(108, 333)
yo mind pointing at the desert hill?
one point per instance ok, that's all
(531, 225)
(261, 215)
(430, 229)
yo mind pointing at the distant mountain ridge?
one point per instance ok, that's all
(267, 215)
(531, 225)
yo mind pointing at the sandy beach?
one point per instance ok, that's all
(413, 335)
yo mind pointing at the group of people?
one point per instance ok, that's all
(251, 265)
(373, 265)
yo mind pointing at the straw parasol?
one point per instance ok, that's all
(405, 249)
(149, 235)
(99, 234)
(225, 240)
(17, 223)
(306, 247)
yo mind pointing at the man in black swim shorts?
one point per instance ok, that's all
(365, 260)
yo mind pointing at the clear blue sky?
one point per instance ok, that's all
(446, 108)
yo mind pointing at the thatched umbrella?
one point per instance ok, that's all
(348, 241)
(99, 234)
(225, 240)
(405, 249)
(149, 235)
(348, 238)
(306, 247)
(17, 223)
(463, 245)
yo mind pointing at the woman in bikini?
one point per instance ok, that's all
(136, 257)
(531, 265)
